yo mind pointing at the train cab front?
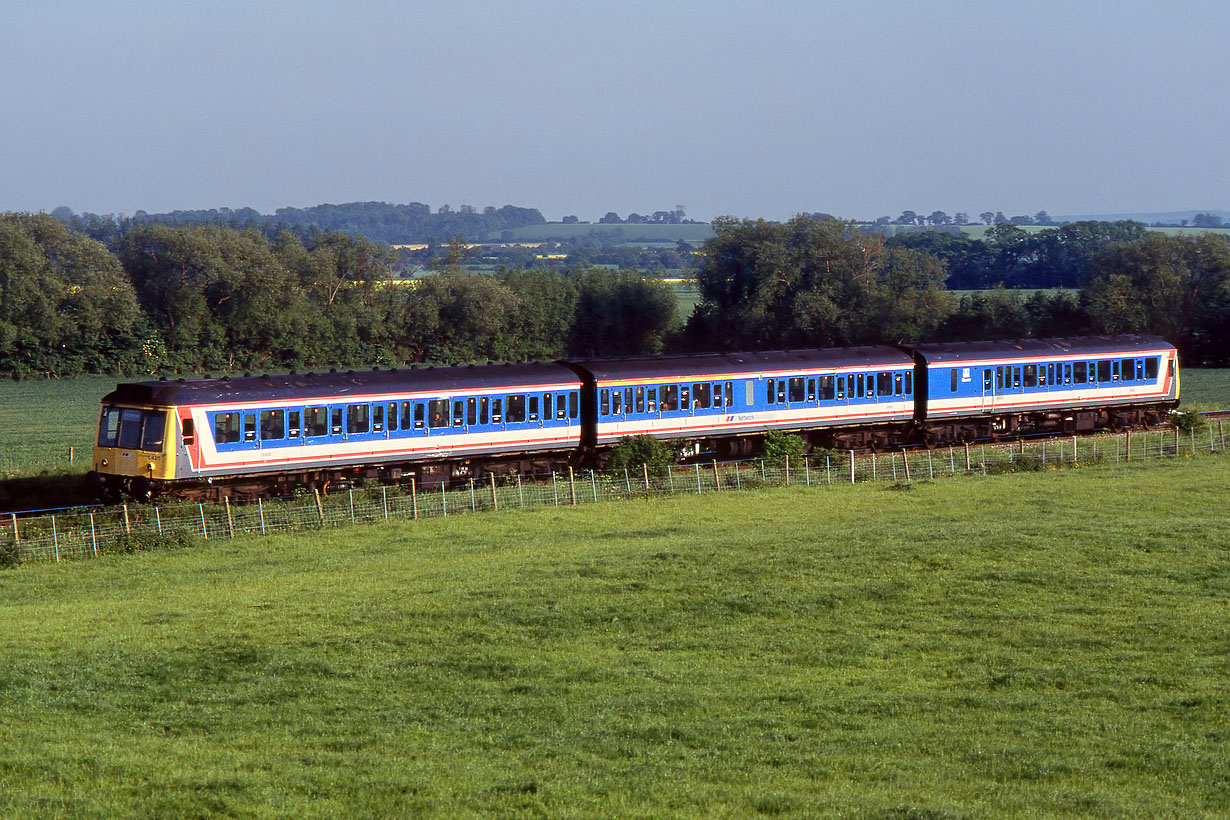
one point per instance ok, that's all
(133, 454)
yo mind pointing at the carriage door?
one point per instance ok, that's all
(988, 387)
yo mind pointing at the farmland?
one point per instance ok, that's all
(692, 656)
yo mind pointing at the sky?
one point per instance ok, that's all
(858, 108)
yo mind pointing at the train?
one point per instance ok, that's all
(254, 436)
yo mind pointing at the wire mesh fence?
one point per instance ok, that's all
(90, 533)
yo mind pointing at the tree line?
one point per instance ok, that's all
(164, 299)
(823, 282)
(168, 299)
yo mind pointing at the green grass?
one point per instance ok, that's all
(1041, 645)
(40, 419)
(1206, 387)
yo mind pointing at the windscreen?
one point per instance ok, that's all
(131, 429)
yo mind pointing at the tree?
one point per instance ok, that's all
(907, 218)
(807, 283)
(621, 314)
(987, 217)
(66, 306)
(1175, 286)
(1205, 220)
(939, 218)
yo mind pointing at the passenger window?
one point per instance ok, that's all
(497, 412)
(1067, 373)
(533, 408)
(189, 429)
(1129, 369)
(617, 399)
(627, 399)
(377, 418)
(1103, 371)
(407, 417)
(292, 420)
(986, 380)
(1080, 372)
(826, 388)
(249, 427)
(316, 422)
(952, 380)
(909, 382)
(652, 399)
(226, 429)
(670, 397)
(484, 409)
(640, 399)
(717, 395)
(419, 413)
(798, 391)
(730, 394)
(1031, 375)
(392, 415)
(770, 391)
(273, 424)
(781, 391)
(471, 411)
(999, 378)
(1151, 367)
(604, 402)
(684, 401)
(1016, 377)
(437, 413)
(458, 413)
(516, 408)
(356, 418)
(899, 384)
(1114, 371)
(841, 388)
(336, 426)
(573, 406)
(811, 389)
(700, 395)
(885, 384)
(546, 407)
(860, 384)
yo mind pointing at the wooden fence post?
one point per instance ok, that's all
(16, 534)
(967, 466)
(414, 501)
(495, 502)
(645, 472)
(572, 485)
(717, 481)
(230, 522)
(127, 526)
(851, 466)
(905, 457)
(320, 508)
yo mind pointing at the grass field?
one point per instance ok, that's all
(1037, 645)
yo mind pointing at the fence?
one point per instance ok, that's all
(87, 534)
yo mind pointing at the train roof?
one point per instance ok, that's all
(1039, 348)
(715, 364)
(293, 386)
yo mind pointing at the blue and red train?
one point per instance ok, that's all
(264, 435)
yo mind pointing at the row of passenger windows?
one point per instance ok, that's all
(360, 419)
(704, 395)
(1053, 374)
(828, 388)
(700, 396)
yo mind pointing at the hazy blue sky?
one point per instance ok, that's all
(764, 108)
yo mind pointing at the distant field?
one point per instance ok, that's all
(630, 234)
(1039, 645)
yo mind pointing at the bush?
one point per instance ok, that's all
(778, 445)
(9, 555)
(630, 453)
